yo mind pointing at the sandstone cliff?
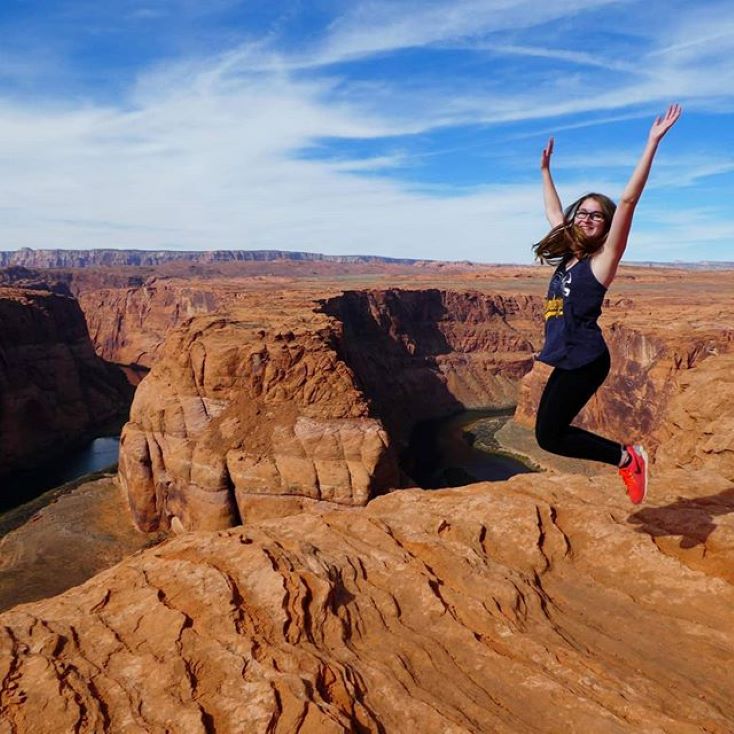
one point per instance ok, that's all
(21, 277)
(265, 402)
(129, 325)
(237, 407)
(54, 390)
(130, 308)
(419, 354)
(698, 429)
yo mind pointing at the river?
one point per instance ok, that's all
(460, 450)
(100, 453)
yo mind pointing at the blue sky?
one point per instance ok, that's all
(398, 128)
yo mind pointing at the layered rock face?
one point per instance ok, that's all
(130, 309)
(20, 277)
(238, 408)
(129, 325)
(698, 430)
(126, 316)
(54, 390)
(422, 354)
(245, 405)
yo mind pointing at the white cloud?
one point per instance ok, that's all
(379, 27)
(711, 241)
(581, 58)
(668, 172)
(208, 164)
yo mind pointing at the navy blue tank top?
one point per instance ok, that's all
(572, 307)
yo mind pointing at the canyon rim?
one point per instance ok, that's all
(306, 584)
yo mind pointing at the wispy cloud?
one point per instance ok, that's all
(381, 27)
(213, 157)
(582, 58)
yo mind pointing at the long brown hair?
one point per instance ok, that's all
(567, 240)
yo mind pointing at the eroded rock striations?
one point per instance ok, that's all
(698, 430)
(236, 408)
(245, 405)
(54, 390)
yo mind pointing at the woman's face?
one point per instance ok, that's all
(590, 218)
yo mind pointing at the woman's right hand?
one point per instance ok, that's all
(545, 156)
(553, 208)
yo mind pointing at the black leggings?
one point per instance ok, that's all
(566, 392)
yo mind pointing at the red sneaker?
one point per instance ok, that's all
(634, 475)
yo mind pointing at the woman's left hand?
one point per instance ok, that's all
(664, 123)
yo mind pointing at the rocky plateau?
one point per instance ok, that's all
(95, 258)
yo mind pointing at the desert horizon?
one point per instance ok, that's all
(101, 256)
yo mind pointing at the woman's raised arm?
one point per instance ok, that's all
(553, 207)
(605, 263)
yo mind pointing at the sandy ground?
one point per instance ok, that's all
(78, 534)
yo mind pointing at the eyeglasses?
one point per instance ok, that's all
(593, 216)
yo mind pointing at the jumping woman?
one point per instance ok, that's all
(586, 243)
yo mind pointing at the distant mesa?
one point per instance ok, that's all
(116, 258)
(58, 258)
(698, 265)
